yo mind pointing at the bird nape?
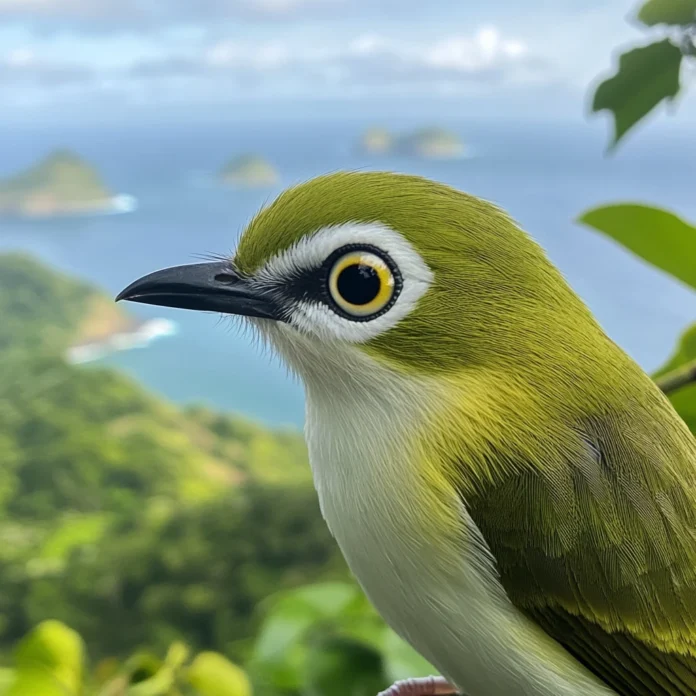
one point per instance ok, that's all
(513, 493)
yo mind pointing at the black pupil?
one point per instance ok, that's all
(358, 284)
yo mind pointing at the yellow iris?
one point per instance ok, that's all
(361, 283)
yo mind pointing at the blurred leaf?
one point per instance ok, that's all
(283, 674)
(657, 236)
(7, 677)
(401, 661)
(282, 628)
(56, 650)
(142, 666)
(683, 400)
(368, 629)
(37, 681)
(177, 654)
(160, 684)
(212, 674)
(342, 668)
(645, 77)
(293, 613)
(328, 598)
(678, 12)
(106, 670)
(74, 531)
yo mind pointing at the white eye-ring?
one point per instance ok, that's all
(347, 314)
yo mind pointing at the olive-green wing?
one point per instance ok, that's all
(627, 664)
(601, 552)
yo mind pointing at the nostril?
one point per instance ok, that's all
(227, 278)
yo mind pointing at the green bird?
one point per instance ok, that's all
(514, 494)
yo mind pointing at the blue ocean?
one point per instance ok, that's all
(544, 174)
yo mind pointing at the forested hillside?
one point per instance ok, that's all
(120, 510)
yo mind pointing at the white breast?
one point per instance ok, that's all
(440, 593)
(445, 599)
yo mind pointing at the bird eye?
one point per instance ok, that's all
(362, 284)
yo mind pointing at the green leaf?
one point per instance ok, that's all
(293, 613)
(683, 400)
(328, 598)
(675, 12)
(32, 682)
(160, 684)
(645, 77)
(401, 661)
(177, 654)
(53, 649)
(7, 677)
(212, 674)
(657, 236)
(286, 625)
(142, 666)
(340, 667)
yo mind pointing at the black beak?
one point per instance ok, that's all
(213, 287)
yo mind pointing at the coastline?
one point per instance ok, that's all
(139, 335)
(122, 203)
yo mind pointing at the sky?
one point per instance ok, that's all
(82, 58)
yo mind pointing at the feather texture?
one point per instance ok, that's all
(599, 548)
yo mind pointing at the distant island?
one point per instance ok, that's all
(433, 143)
(249, 171)
(59, 184)
(376, 141)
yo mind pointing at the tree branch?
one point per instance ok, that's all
(676, 379)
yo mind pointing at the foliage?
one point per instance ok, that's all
(684, 399)
(327, 639)
(119, 509)
(196, 571)
(51, 661)
(673, 12)
(657, 236)
(648, 75)
(89, 440)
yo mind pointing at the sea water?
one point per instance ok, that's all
(545, 175)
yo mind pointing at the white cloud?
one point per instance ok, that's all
(263, 55)
(66, 10)
(366, 57)
(146, 15)
(23, 67)
(20, 57)
(193, 48)
(464, 53)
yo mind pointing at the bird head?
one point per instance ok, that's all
(407, 272)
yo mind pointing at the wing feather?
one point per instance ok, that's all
(600, 550)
